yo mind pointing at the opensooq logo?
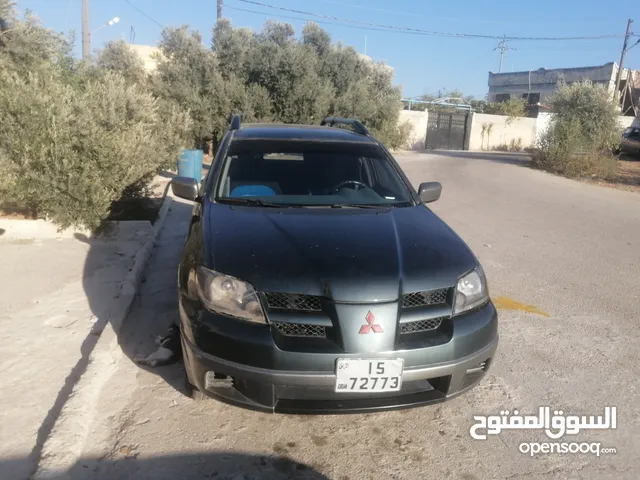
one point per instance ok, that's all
(555, 426)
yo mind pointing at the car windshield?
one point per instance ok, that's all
(308, 174)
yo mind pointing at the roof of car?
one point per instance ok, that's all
(281, 131)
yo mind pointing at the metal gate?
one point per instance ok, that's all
(446, 130)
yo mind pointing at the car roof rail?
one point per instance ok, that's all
(356, 124)
(235, 122)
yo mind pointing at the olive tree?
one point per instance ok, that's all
(74, 141)
(117, 56)
(582, 133)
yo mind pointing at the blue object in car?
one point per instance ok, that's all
(252, 191)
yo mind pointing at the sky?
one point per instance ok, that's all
(422, 64)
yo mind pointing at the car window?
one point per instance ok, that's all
(310, 175)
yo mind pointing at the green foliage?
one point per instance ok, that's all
(231, 47)
(399, 137)
(514, 145)
(75, 139)
(511, 108)
(71, 152)
(582, 134)
(272, 76)
(118, 57)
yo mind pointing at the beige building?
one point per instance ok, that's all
(146, 53)
(538, 85)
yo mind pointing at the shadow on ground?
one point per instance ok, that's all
(155, 308)
(511, 158)
(218, 465)
(156, 305)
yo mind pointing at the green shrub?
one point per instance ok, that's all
(515, 145)
(70, 152)
(398, 138)
(582, 133)
(117, 56)
(76, 138)
(272, 76)
(511, 108)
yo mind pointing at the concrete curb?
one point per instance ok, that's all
(131, 283)
(71, 430)
(20, 229)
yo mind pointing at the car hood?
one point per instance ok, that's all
(348, 255)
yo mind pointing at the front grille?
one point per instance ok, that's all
(421, 325)
(292, 301)
(300, 330)
(421, 299)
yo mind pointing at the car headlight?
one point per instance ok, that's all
(471, 291)
(228, 296)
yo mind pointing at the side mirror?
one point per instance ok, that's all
(185, 187)
(429, 191)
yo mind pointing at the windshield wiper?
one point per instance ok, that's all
(359, 205)
(254, 202)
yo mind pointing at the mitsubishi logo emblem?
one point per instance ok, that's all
(371, 325)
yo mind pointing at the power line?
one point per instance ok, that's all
(398, 12)
(518, 21)
(144, 14)
(358, 27)
(323, 22)
(426, 32)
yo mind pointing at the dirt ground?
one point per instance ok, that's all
(628, 174)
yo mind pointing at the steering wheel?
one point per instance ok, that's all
(349, 182)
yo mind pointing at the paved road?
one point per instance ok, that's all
(567, 251)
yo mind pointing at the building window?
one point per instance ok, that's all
(531, 98)
(503, 97)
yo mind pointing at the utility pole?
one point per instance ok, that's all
(625, 47)
(219, 9)
(86, 32)
(503, 47)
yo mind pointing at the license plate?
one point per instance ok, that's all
(359, 375)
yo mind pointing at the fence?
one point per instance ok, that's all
(418, 121)
(498, 132)
(482, 131)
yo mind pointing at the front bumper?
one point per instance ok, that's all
(432, 374)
